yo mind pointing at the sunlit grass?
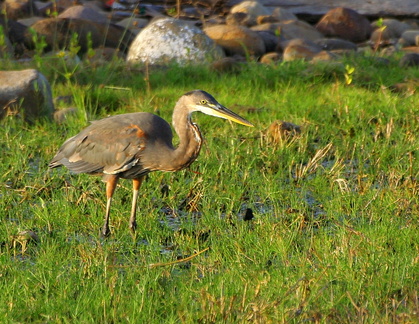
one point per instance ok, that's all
(336, 211)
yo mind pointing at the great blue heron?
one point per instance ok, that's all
(131, 145)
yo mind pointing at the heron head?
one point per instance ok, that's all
(202, 101)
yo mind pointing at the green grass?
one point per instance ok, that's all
(335, 234)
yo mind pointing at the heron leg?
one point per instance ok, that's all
(136, 184)
(111, 183)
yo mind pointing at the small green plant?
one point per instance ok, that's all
(349, 71)
(51, 13)
(381, 28)
(380, 23)
(74, 46)
(40, 45)
(90, 51)
(3, 44)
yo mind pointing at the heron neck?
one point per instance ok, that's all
(190, 138)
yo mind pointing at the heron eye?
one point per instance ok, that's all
(203, 102)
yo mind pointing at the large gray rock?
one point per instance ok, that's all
(27, 93)
(169, 40)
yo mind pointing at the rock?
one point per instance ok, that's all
(407, 88)
(240, 19)
(269, 27)
(16, 9)
(393, 26)
(25, 92)
(15, 32)
(280, 132)
(346, 24)
(64, 60)
(289, 30)
(61, 115)
(251, 8)
(133, 24)
(331, 44)
(323, 56)
(301, 49)
(409, 37)
(29, 21)
(58, 33)
(103, 55)
(283, 14)
(266, 20)
(271, 41)
(271, 58)
(86, 13)
(409, 59)
(383, 37)
(292, 29)
(236, 40)
(411, 49)
(169, 40)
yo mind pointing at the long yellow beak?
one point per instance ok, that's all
(223, 112)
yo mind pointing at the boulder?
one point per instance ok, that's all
(332, 44)
(103, 55)
(241, 19)
(237, 40)
(16, 9)
(346, 24)
(291, 29)
(393, 26)
(169, 40)
(270, 39)
(271, 58)
(409, 37)
(409, 59)
(59, 31)
(383, 37)
(300, 49)
(29, 21)
(251, 8)
(135, 25)
(283, 14)
(26, 93)
(86, 13)
(266, 20)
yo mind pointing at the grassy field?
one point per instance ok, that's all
(334, 237)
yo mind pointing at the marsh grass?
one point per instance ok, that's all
(336, 212)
